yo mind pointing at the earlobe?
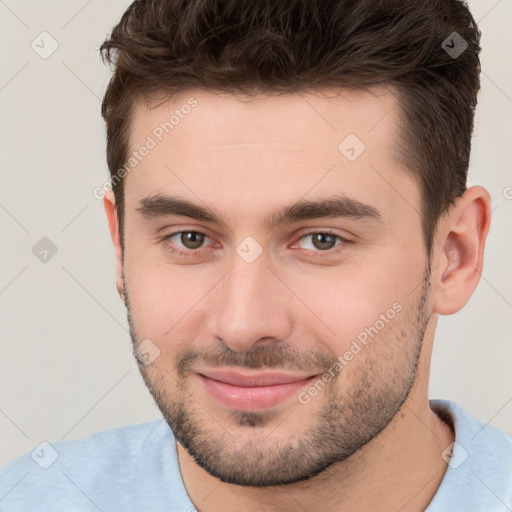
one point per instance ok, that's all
(109, 204)
(462, 234)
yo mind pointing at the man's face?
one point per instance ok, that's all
(282, 348)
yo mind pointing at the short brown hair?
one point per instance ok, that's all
(269, 46)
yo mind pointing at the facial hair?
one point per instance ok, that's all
(348, 414)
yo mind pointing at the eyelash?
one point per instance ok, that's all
(315, 254)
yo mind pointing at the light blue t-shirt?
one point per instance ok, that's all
(135, 468)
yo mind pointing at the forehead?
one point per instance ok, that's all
(264, 116)
(290, 145)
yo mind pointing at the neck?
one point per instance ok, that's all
(400, 469)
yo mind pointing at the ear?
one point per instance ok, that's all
(109, 204)
(461, 237)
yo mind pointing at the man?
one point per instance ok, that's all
(289, 215)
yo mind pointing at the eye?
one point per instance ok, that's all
(190, 241)
(322, 241)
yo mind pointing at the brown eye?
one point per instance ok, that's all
(321, 241)
(191, 239)
(185, 242)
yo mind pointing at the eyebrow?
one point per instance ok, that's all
(160, 206)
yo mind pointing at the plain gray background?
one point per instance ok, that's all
(66, 366)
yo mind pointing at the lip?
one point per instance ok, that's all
(252, 390)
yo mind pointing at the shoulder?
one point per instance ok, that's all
(102, 447)
(90, 472)
(471, 431)
(479, 472)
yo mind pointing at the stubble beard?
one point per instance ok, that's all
(343, 419)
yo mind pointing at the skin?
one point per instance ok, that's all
(369, 439)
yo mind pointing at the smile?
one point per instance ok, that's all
(252, 390)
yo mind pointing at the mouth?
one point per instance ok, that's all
(252, 390)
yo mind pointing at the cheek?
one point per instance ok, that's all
(342, 307)
(345, 303)
(167, 302)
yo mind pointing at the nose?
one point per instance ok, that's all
(250, 306)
